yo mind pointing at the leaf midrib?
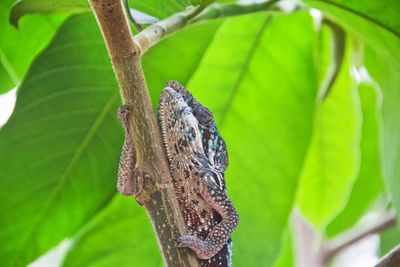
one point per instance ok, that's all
(74, 160)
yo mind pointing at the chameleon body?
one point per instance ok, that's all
(197, 159)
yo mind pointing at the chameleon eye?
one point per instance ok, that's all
(203, 115)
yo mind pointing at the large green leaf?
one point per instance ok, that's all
(61, 145)
(22, 7)
(177, 57)
(287, 255)
(332, 160)
(381, 35)
(383, 13)
(385, 70)
(261, 93)
(159, 9)
(120, 235)
(369, 182)
(19, 47)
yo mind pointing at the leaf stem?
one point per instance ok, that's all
(337, 54)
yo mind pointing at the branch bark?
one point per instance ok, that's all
(347, 239)
(156, 193)
(392, 259)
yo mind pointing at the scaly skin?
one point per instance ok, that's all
(197, 158)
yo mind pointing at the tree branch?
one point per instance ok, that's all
(347, 239)
(157, 31)
(392, 259)
(156, 192)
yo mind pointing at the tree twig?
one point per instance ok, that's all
(392, 259)
(157, 31)
(156, 193)
(347, 239)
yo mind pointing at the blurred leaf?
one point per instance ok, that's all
(369, 182)
(382, 60)
(61, 144)
(287, 254)
(19, 47)
(120, 235)
(383, 13)
(333, 157)
(261, 93)
(389, 239)
(22, 7)
(385, 70)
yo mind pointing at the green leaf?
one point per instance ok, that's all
(333, 157)
(380, 31)
(161, 9)
(18, 48)
(61, 145)
(383, 13)
(177, 57)
(261, 93)
(369, 182)
(385, 70)
(22, 7)
(389, 239)
(120, 235)
(287, 255)
(382, 39)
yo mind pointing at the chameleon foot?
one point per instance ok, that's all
(202, 248)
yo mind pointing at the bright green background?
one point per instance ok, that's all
(258, 73)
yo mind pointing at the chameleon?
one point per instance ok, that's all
(197, 158)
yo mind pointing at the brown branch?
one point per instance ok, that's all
(157, 194)
(347, 239)
(392, 259)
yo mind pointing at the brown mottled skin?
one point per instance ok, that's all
(197, 158)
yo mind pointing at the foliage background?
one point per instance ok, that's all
(332, 158)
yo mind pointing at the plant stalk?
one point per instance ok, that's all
(156, 192)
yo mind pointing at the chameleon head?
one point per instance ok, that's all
(213, 143)
(180, 128)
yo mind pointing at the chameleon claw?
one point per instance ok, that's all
(200, 247)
